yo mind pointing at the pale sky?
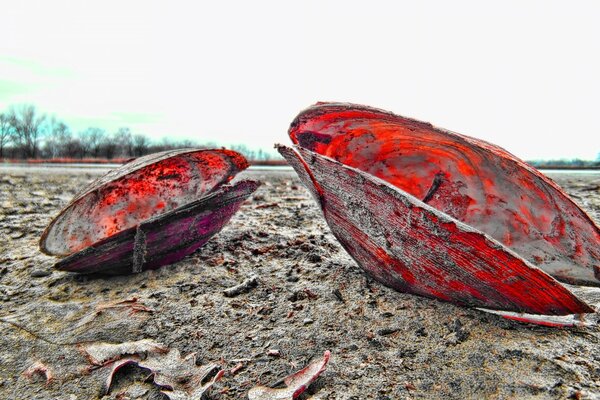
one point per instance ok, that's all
(522, 74)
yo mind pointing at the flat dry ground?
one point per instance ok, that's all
(310, 297)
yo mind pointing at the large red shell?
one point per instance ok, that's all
(150, 212)
(442, 215)
(471, 180)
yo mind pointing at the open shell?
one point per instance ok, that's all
(442, 215)
(148, 213)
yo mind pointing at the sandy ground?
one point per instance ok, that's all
(310, 297)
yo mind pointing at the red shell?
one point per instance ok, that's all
(426, 211)
(471, 180)
(149, 212)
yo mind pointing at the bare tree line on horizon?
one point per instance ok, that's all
(27, 134)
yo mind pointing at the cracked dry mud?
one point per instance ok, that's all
(308, 296)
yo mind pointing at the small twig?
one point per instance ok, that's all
(133, 304)
(437, 181)
(338, 295)
(237, 367)
(243, 287)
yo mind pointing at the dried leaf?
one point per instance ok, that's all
(296, 383)
(100, 353)
(179, 376)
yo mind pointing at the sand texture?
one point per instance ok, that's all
(302, 295)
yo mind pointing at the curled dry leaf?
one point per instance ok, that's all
(101, 353)
(295, 384)
(147, 213)
(442, 215)
(179, 377)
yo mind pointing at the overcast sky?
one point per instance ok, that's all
(521, 74)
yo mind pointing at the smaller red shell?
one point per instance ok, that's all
(149, 212)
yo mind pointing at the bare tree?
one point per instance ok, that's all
(140, 145)
(187, 143)
(25, 133)
(261, 155)
(73, 148)
(124, 141)
(166, 144)
(58, 138)
(6, 132)
(242, 148)
(92, 140)
(108, 147)
(27, 130)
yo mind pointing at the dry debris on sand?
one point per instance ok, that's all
(265, 297)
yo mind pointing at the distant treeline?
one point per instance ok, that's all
(566, 164)
(27, 134)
